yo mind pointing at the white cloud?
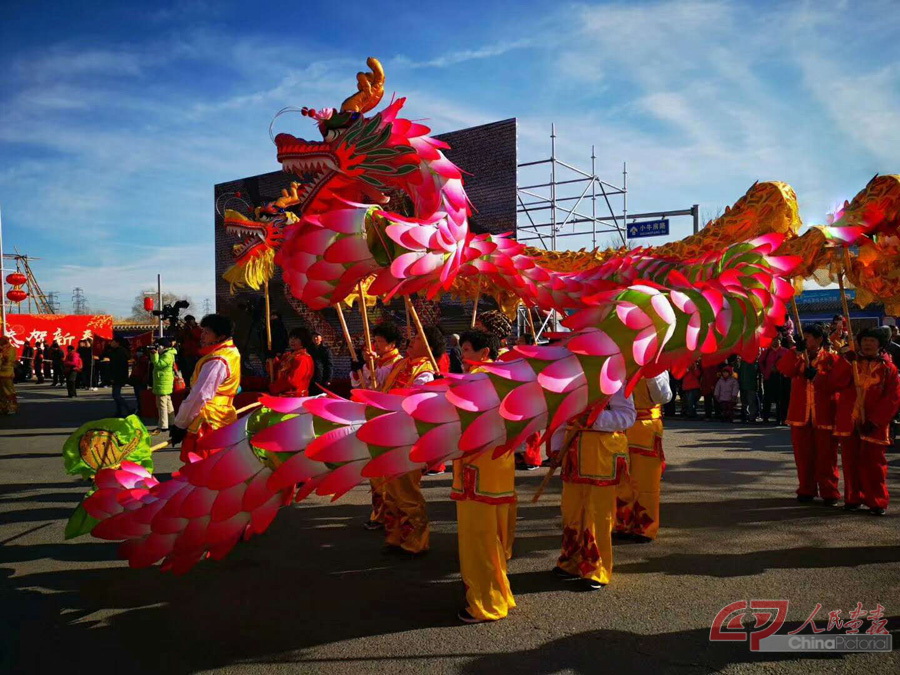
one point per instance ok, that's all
(461, 56)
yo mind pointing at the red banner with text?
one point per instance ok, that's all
(64, 329)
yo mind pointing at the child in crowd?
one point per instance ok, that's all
(726, 394)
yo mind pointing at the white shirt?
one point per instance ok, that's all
(381, 373)
(211, 376)
(619, 415)
(659, 389)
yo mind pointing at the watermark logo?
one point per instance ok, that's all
(759, 622)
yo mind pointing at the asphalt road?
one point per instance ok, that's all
(316, 595)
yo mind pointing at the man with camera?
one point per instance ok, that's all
(162, 362)
(215, 382)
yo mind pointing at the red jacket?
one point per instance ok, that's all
(73, 361)
(812, 401)
(294, 373)
(692, 378)
(880, 381)
(708, 378)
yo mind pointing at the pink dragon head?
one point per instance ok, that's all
(372, 190)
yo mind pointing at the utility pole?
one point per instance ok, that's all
(159, 302)
(207, 307)
(53, 302)
(79, 303)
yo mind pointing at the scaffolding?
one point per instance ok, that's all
(546, 208)
(575, 203)
(36, 294)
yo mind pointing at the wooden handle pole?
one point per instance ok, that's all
(268, 316)
(475, 306)
(851, 341)
(418, 322)
(556, 463)
(346, 331)
(255, 404)
(367, 335)
(530, 323)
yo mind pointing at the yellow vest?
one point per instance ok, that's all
(405, 373)
(645, 436)
(219, 410)
(483, 479)
(8, 357)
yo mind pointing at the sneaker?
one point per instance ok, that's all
(805, 498)
(640, 539)
(562, 574)
(464, 616)
(876, 512)
(620, 536)
(830, 502)
(373, 525)
(592, 585)
(434, 472)
(851, 507)
(531, 467)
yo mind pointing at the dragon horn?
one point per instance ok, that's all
(371, 89)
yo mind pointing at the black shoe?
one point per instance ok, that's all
(621, 536)
(434, 472)
(876, 512)
(562, 574)
(368, 525)
(464, 616)
(830, 502)
(805, 498)
(531, 467)
(547, 463)
(592, 585)
(851, 507)
(640, 539)
(390, 549)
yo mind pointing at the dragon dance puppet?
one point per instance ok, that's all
(379, 200)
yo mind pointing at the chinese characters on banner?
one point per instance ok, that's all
(64, 329)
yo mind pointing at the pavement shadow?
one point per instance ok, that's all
(756, 562)
(315, 577)
(750, 511)
(687, 652)
(724, 471)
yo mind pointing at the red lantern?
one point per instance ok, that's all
(148, 304)
(16, 279)
(16, 295)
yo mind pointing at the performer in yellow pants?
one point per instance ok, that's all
(637, 498)
(405, 515)
(385, 338)
(486, 528)
(596, 461)
(485, 494)
(9, 404)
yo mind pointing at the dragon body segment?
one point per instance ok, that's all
(380, 200)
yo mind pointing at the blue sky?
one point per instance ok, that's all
(117, 118)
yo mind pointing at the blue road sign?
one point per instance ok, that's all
(648, 228)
